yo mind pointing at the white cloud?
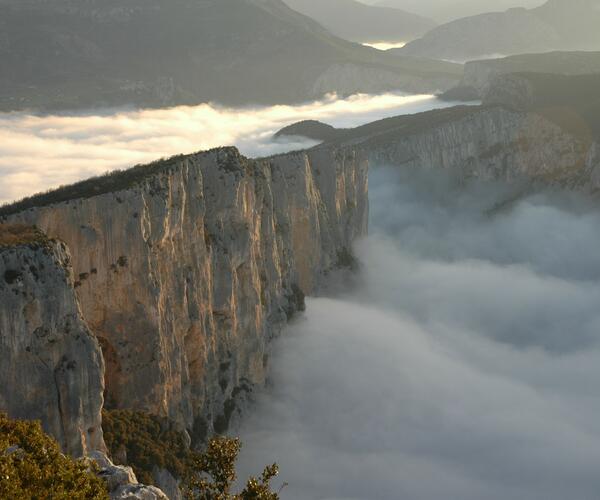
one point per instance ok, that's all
(42, 152)
(386, 45)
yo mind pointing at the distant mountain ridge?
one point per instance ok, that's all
(70, 54)
(480, 74)
(358, 22)
(443, 11)
(556, 25)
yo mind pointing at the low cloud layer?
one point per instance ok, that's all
(461, 363)
(41, 152)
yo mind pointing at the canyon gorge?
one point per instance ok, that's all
(163, 287)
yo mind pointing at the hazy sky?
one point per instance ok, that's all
(461, 365)
(444, 10)
(38, 153)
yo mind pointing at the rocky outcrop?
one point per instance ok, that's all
(186, 269)
(51, 365)
(122, 483)
(167, 483)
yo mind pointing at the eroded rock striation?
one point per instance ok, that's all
(491, 142)
(51, 365)
(187, 268)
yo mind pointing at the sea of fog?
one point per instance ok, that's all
(41, 152)
(460, 362)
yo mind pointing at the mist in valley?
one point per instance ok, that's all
(459, 361)
(40, 152)
(455, 359)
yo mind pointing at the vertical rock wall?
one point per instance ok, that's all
(186, 274)
(51, 365)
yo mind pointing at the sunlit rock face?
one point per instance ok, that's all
(51, 365)
(186, 274)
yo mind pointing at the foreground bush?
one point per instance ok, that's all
(32, 466)
(145, 441)
(213, 475)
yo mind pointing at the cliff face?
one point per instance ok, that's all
(493, 143)
(186, 274)
(51, 365)
(487, 142)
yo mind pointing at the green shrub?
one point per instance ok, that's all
(213, 475)
(32, 466)
(146, 441)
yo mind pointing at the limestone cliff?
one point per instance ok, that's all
(51, 365)
(487, 142)
(187, 268)
(492, 143)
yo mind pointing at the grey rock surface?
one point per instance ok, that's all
(493, 143)
(51, 366)
(167, 483)
(122, 483)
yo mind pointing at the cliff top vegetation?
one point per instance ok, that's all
(110, 182)
(12, 235)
